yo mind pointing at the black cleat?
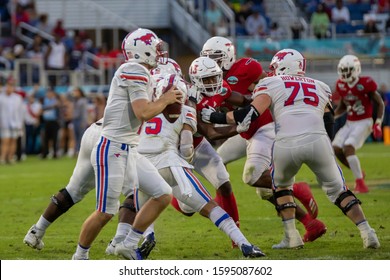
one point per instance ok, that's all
(251, 251)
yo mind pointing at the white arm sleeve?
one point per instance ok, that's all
(186, 145)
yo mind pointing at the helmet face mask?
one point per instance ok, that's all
(221, 50)
(206, 75)
(288, 62)
(349, 68)
(143, 46)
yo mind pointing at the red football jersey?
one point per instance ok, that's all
(357, 98)
(215, 101)
(241, 75)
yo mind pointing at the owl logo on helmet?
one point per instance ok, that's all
(143, 46)
(206, 76)
(221, 50)
(349, 68)
(288, 62)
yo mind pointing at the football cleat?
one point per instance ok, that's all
(76, 257)
(291, 241)
(147, 245)
(303, 193)
(314, 229)
(360, 186)
(251, 251)
(110, 250)
(127, 252)
(33, 238)
(370, 240)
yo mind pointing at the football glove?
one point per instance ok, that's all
(206, 114)
(377, 131)
(245, 124)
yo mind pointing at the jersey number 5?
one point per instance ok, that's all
(153, 126)
(309, 91)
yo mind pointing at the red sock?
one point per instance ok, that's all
(228, 203)
(306, 219)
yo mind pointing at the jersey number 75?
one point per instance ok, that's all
(309, 92)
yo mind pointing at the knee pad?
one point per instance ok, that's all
(63, 200)
(280, 207)
(263, 193)
(249, 175)
(186, 210)
(347, 207)
(129, 204)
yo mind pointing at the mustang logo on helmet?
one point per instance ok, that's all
(147, 39)
(281, 55)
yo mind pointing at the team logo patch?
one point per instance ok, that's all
(223, 91)
(359, 87)
(117, 155)
(232, 80)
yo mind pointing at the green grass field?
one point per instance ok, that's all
(26, 189)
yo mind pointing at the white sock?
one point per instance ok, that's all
(363, 226)
(289, 225)
(226, 224)
(42, 223)
(149, 230)
(132, 239)
(354, 164)
(121, 232)
(82, 251)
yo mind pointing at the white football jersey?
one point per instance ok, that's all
(159, 139)
(298, 104)
(131, 82)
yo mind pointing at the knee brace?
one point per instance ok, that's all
(347, 207)
(285, 205)
(129, 204)
(63, 200)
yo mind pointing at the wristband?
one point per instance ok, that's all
(217, 117)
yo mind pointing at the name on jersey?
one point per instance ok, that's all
(297, 78)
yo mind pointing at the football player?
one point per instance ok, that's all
(357, 93)
(210, 90)
(168, 143)
(242, 76)
(298, 105)
(114, 156)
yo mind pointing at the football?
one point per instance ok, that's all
(172, 112)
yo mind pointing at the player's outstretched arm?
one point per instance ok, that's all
(340, 109)
(216, 133)
(238, 99)
(144, 110)
(255, 109)
(377, 127)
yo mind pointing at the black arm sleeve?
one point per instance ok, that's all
(240, 114)
(329, 124)
(218, 117)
